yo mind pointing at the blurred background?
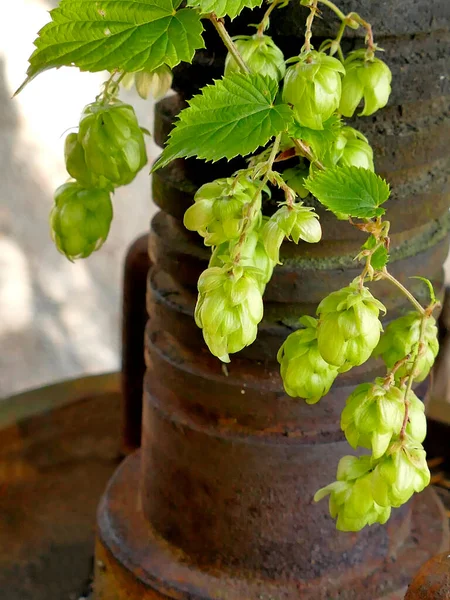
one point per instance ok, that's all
(57, 319)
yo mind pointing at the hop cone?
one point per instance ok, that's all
(113, 142)
(229, 308)
(304, 372)
(294, 222)
(252, 254)
(401, 472)
(354, 150)
(313, 87)
(352, 501)
(150, 83)
(80, 220)
(373, 415)
(76, 165)
(295, 178)
(349, 328)
(155, 83)
(218, 211)
(260, 54)
(364, 79)
(401, 338)
(417, 422)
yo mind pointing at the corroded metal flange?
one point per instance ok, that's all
(134, 563)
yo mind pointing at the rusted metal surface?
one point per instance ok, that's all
(219, 505)
(137, 564)
(432, 582)
(55, 459)
(135, 317)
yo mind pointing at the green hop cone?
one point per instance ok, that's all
(349, 328)
(80, 219)
(229, 308)
(352, 149)
(154, 83)
(150, 83)
(400, 473)
(351, 499)
(401, 338)
(76, 165)
(218, 211)
(295, 178)
(313, 87)
(304, 372)
(417, 422)
(364, 79)
(373, 415)
(294, 222)
(113, 142)
(252, 254)
(260, 54)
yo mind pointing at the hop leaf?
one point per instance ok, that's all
(260, 54)
(349, 328)
(380, 257)
(229, 308)
(373, 415)
(313, 87)
(233, 117)
(350, 191)
(401, 338)
(304, 372)
(224, 8)
(294, 222)
(80, 220)
(364, 78)
(125, 35)
(112, 141)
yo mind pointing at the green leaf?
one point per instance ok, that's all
(224, 8)
(235, 116)
(128, 35)
(352, 191)
(380, 258)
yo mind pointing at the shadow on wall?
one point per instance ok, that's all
(57, 319)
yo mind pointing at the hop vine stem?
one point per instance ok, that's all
(309, 21)
(265, 20)
(263, 182)
(111, 87)
(411, 374)
(304, 150)
(355, 18)
(384, 274)
(229, 44)
(334, 8)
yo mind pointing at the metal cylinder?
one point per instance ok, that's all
(218, 503)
